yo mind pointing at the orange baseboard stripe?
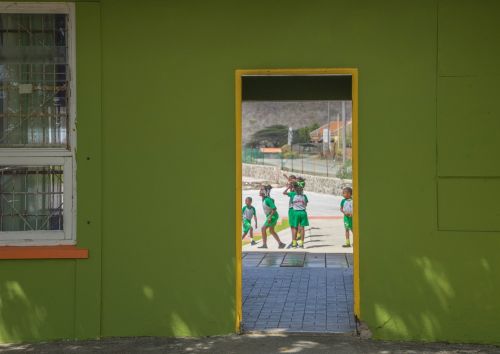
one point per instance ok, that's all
(43, 252)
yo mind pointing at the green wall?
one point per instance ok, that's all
(49, 299)
(428, 129)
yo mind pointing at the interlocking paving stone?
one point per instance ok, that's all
(272, 260)
(336, 261)
(315, 260)
(298, 299)
(294, 260)
(252, 259)
(350, 259)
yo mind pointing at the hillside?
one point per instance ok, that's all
(260, 114)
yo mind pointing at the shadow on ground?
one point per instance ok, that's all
(250, 343)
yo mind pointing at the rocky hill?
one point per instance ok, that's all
(257, 115)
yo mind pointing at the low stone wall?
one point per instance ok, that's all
(269, 174)
(274, 176)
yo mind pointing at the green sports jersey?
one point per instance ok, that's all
(299, 202)
(268, 205)
(248, 212)
(290, 202)
(346, 205)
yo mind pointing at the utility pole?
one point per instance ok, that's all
(326, 144)
(338, 134)
(290, 143)
(344, 130)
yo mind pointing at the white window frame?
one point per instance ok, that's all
(49, 156)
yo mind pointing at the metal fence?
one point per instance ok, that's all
(312, 158)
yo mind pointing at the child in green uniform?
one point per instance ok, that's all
(347, 209)
(248, 212)
(289, 192)
(272, 217)
(299, 214)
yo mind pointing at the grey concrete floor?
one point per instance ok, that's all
(259, 343)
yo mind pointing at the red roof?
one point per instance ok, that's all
(317, 135)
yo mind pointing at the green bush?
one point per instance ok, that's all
(290, 155)
(345, 171)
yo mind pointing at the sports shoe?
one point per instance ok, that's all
(301, 245)
(282, 245)
(263, 246)
(346, 245)
(292, 246)
(253, 243)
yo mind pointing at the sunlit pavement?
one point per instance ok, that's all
(324, 235)
(319, 204)
(298, 292)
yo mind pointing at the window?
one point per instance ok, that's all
(37, 124)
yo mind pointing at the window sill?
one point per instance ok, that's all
(43, 252)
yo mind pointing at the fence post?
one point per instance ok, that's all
(326, 158)
(302, 158)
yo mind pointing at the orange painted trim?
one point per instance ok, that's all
(43, 252)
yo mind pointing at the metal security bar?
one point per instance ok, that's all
(37, 123)
(34, 75)
(31, 198)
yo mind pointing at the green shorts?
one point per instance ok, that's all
(299, 218)
(348, 222)
(290, 214)
(247, 225)
(273, 221)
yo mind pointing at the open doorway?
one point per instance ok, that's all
(296, 135)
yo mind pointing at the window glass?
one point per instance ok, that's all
(31, 198)
(34, 88)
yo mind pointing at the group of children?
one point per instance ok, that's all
(297, 213)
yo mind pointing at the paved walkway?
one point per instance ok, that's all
(298, 292)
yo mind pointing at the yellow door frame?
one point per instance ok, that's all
(238, 96)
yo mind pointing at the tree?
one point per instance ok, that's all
(271, 136)
(302, 135)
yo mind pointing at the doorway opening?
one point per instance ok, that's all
(296, 162)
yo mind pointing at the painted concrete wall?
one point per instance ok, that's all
(166, 98)
(48, 299)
